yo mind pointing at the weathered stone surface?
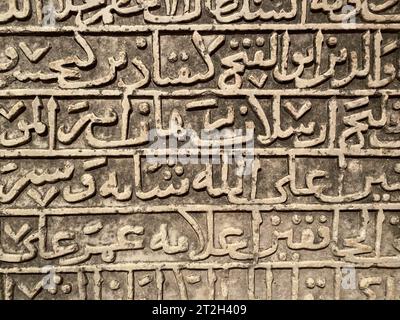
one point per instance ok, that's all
(200, 149)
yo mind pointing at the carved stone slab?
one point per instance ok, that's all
(199, 149)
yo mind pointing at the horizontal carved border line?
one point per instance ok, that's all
(170, 208)
(202, 27)
(138, 266)
(72, 153)
(170, 92)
